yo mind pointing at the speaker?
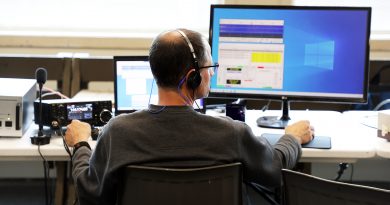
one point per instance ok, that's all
(194, 78)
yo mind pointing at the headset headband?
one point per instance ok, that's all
(191, 47)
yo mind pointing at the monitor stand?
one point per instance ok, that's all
(273, 121)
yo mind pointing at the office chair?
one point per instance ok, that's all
(304, 189)
(201, 186)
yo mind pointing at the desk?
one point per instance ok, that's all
(366, 123)
(350, 142)
(383, 148)
(21, 149)
(347, 145)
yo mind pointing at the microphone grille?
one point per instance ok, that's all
(41, 75)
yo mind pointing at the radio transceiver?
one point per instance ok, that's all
(61, 112)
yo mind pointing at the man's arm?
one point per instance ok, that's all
(90, 173)
(263, 162)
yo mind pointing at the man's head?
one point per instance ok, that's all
(172, 62)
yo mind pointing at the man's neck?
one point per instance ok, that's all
(171, 97)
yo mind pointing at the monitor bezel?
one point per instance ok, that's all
(296, 97)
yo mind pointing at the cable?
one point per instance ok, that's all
(265, 107)
(342, 168)
(185, 98)
(150, 93)
(53, 92)
(384, 102)
(352, 168)
(64, 141)
(157, 111)
(45, 171)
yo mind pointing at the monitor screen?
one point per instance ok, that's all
(135, 87)
(290, 53)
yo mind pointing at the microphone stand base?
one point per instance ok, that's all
(40, 140)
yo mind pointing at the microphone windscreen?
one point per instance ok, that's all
(41, 75)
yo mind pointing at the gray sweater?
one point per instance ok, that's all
(176, 136)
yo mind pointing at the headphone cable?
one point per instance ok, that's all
(150, 93)
(185, 98)
(67, 149)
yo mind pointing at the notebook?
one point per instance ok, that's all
(319, 142)
(134, 86)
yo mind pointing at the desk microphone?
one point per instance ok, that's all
(40, 138)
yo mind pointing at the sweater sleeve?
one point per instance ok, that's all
(262, 163)
(289, 151)
(93, 180)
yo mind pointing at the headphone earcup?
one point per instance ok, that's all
(194, 79)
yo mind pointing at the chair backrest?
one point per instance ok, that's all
(304, 189)
(201, 186)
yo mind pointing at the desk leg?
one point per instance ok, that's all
(71, 192)
(60, 183)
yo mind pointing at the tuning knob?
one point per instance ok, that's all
(105, 115)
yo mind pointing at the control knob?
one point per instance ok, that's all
(105, 115)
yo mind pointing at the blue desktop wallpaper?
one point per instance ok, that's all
(339, 35)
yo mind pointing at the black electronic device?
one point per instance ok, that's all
(62, 111)
(290, 53)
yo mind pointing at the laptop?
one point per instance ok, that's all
(134, 86)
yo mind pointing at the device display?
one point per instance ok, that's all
(80, 111)
(135, 87)
(290, 53)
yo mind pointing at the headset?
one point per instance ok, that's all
(194, 78)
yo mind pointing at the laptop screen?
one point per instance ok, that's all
(135, 87)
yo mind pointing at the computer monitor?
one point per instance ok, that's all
(134, 86)
(290, 53)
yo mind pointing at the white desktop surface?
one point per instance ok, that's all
(367, 122)
(383, 148)
(350, 140)
(348, 145)
(21, 149)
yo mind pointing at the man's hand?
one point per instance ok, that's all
(301, 130)
(77, 131)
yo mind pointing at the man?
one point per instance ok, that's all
(172, 133)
